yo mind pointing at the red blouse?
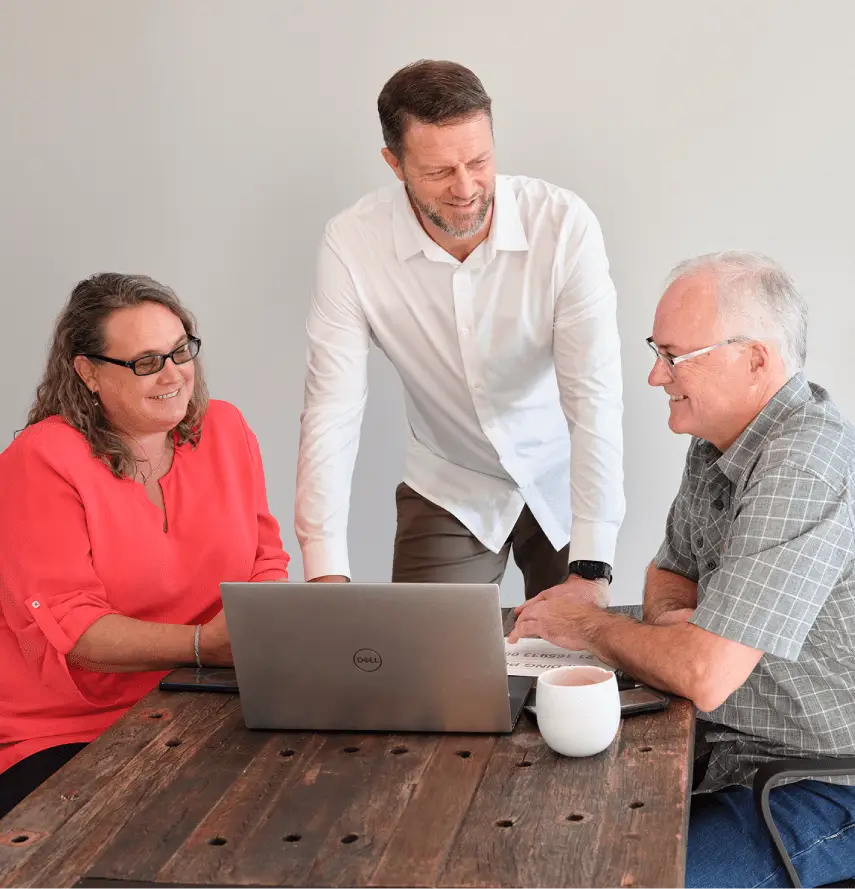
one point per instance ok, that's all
(77, 543)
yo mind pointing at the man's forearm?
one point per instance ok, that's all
(668, 658)
(667, 591)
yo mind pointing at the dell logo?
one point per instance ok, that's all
(368, 660)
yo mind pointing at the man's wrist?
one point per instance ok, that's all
(590, 569)
(594, 625)
(608, 635)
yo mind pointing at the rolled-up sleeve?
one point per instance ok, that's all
(788, 544)
(49, 592)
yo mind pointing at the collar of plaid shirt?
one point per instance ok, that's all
(737, 458)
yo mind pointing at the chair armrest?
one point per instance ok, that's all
(770, 773)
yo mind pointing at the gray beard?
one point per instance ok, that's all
(443, 225)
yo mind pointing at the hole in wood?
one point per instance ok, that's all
(575, 817)
(644, 749)
(286, 753)
(173, 742)
(505, 822)
(464, 754)
(155, 716)
(217, 841)
(349, 838)
(21, 838)
(636, 805)
(292, 838)
(351, 750)
(397, 751)
(523, 765)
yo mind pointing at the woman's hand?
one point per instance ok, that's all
(215, 650)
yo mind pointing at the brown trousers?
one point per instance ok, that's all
(432, 546)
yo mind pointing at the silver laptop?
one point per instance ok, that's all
(372, 657)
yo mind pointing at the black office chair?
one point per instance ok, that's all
(769, 774)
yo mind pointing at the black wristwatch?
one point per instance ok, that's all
(591, 570)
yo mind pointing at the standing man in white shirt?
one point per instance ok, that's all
(491, 296)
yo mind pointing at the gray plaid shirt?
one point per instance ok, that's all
(766, 530)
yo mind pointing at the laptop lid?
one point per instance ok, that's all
(370, 657)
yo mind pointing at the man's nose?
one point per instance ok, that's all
(463, 185)
(660, 374)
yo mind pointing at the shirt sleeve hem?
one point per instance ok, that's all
(323, 558)
(762, 640)
(596, 541)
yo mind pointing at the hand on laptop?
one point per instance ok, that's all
(587, 592)
(215, 650)
(559, 619)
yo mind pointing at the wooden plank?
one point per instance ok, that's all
(99, 883)
(328, 826)
(250, 803)
(69, 794)
(535, 818)
(78, 811)
(354, 846)
(419, 847)
(569, 822)
(216, 754)
(647, 820)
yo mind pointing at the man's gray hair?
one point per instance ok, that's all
(756, 299)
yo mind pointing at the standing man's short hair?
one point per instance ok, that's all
(430, 92)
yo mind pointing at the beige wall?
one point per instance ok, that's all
(206, 142)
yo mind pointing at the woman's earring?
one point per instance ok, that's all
(95, 400)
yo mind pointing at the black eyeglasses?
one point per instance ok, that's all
(152, 364)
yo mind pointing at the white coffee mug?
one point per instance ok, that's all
(578, 709)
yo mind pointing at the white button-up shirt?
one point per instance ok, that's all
(508, 359)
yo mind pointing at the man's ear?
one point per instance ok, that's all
(759, 356)
(86, 371)
(394, 163)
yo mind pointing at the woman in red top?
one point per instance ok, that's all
(125, 502)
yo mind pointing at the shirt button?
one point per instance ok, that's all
(464, 331)
(718, 504)
(476, 385)
(711, 566)
(36, 604)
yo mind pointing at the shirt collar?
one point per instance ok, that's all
(506, 232)
(506, 229)
(791, 396)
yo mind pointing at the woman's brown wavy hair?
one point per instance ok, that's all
(80, 331)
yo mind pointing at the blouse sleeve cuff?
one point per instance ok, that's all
(63, 633)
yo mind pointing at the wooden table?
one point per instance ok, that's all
(179, 792)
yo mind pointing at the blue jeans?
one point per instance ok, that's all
(730, 846)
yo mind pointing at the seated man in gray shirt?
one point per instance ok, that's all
(749, 605)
